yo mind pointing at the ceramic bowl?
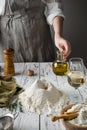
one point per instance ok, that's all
(6, 122)
(68, 125)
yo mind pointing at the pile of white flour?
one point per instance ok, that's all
(42, 98)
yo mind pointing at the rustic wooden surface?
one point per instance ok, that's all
(32, 121)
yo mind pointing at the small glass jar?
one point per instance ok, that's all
(59, 66)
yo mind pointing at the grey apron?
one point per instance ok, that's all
(24, 28)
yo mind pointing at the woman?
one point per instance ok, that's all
(23, 27)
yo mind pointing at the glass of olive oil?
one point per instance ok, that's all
(76, 74)
(59, 66)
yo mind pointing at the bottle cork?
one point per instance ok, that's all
(9, 65)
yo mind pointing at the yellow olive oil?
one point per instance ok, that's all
(59, 66)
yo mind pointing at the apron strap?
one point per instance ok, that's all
(9, 14)
(9, 8)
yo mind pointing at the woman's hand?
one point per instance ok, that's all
(63, 45)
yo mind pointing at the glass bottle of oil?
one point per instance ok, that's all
(59, 66)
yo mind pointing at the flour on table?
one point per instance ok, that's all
(42, 98)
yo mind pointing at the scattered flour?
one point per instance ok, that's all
(42, 98)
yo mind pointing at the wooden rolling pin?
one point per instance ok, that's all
(66, 116)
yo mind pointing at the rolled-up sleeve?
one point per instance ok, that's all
(2, 7)
(53, 8)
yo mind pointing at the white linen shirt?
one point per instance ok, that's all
(2, 7)
(53, 8)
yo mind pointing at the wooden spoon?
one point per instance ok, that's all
(66, 116)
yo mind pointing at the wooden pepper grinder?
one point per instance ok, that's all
(9, 65)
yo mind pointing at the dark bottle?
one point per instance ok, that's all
(59, 66)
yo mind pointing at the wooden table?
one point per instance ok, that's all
(32, 121)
